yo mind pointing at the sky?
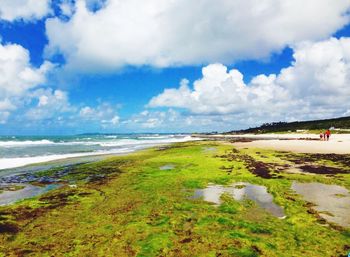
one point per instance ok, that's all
(129, 66)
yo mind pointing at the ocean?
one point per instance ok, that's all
(19, 151)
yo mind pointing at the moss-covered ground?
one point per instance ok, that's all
(137, 209)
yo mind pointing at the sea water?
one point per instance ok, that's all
(19, 151)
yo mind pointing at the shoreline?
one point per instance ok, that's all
(27, 162)
(164, 194)
(52, 172)
(299, 143)
(270, 136)
(293, 142)
(7, 164)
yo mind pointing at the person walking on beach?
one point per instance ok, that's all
(328, 134)
(321, 136)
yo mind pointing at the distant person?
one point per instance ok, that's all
(321, 136)
(328, 134)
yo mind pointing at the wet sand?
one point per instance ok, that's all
(300, 143)
(331, 201)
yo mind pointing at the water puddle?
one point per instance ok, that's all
(167, 167)
(9, 197)
(294, 170)
(240, 192)
(332, 201)
(209, 149)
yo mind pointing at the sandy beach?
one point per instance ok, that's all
(301, 143)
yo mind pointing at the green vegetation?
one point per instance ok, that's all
(313, 126)
(137, 209)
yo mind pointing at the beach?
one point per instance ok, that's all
(300, 143)
(295, 142)
(174, 128)
(177, 199)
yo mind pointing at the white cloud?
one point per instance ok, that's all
(316, 85)
(149, 120)
(221, 92)
(24, 95)
(52, 108)
(4, 115)
(27, 10)
(6, 104)
(186, 32)
(67, 7)
(50, 105)
(175, 121)
(105, 113)
(18, 77)
(87, 112)
(113, 121)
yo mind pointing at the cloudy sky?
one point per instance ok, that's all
(170, 65)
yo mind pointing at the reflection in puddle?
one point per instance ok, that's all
(332, 201)
(167, 167)
(8, 197)
(239, 192)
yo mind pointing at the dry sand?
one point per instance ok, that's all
(338, 143)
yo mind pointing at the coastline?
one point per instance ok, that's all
(114, 147)
(26, 162)
(53, 169)
(152, 203)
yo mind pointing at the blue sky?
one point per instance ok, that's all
(123, 66)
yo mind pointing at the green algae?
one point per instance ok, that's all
(136, 209)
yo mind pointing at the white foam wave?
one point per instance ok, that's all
(8, 163)
(154, 137)
(25, 143)
(104, 143)
(124, 146)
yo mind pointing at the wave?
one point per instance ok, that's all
(105, 143)
(123, 146)
(155, 137)
(111, 137)
(26, 143)
(8, 163)
(129, 142)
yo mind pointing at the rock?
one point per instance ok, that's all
(46, 180)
